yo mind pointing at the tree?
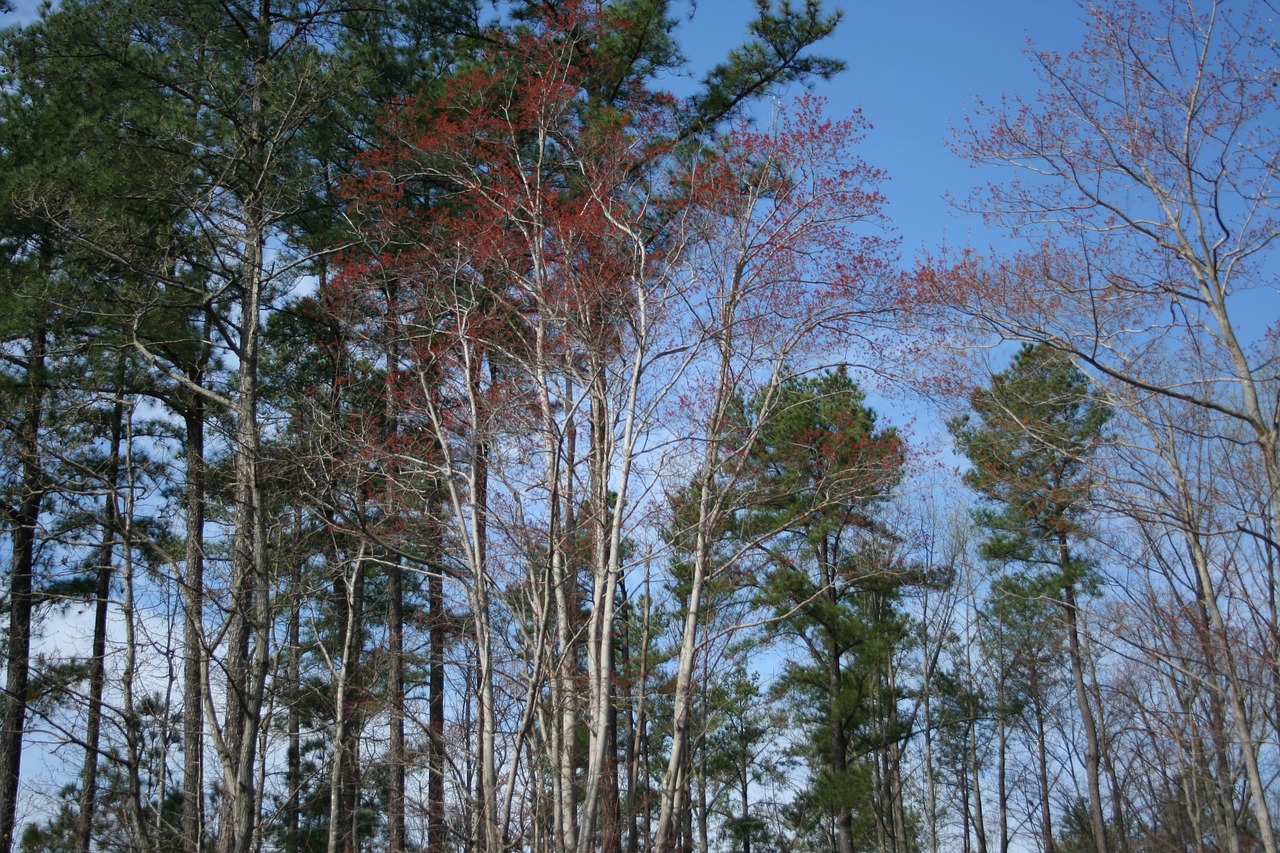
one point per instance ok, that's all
(788, 267)
(1031, 441)
(1147, 179)
(822, 467)
(525, 228)
(300, 511)
(204, 238)
(61, 297)
(27, 488)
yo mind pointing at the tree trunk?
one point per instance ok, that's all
(1002, 785)
(102, 595)
(975, 767)
(342, 796)
(246, 663)
(135, 753)
(1092, 760)
(396, 754)
(193, 651)
(838, 749)
(1042, 768)
(437, 839)
(610, 811)
(293, 723)
(24, 520)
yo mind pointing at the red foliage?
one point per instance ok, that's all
(516, 189)
(516, 226)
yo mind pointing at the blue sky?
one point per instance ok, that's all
(914, 67)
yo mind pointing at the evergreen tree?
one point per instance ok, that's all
(1031, 441)
(823, 469)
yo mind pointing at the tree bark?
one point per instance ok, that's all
(1092, 759)
(396, 753)
(102, 595)
(343, 773)
(246, 661)
(1042, 769)
(24, 519)
(437, 838)
(193, 638)
(293, 722)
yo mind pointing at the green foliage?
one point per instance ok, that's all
(1029, 440)
(148, 151)
(157, 743)
(773, 56)
(822, 465)
(823, 468)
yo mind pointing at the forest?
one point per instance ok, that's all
(425, 430)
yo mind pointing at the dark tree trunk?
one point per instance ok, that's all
(293, 724)
(437, 832)
(838, 746)
(979, 822)
(396, 747)
(193, 651)
(24, 519)
(102, 594)
(1042, 768)
(396, 750)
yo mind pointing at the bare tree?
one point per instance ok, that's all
(1147, 171)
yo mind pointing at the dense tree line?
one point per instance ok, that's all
(423, 432)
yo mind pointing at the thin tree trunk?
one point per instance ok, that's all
(1119, 840)
(24, 520)
(966, 813)
(137, 803)
(838, 749)
(340, 795)
(610, 811)
(436, 829)
(193, 651)
(979, 823)
(1002, 785)
(609, 497)
(396, 754)
(1092, 760)
(102, 595)
(704, 841)
(559, 466)
(1042, 768)
(351, 767)
(245, 666)
(637, 752)
(293, 724)
(899, 807)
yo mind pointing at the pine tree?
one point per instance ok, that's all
(1031, 441)
(823, 469)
